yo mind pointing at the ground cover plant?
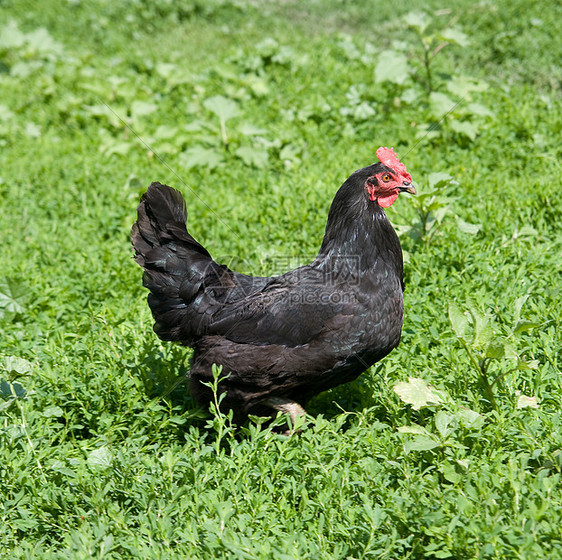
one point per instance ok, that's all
(257, 111)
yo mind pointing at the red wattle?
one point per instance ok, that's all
(386, 201)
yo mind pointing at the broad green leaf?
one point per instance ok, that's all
(461, 86)
(499, 348)
(166, 132)
(258, 85)
(142, 108)
(101, 110)
(6, 113)
(443, 422)
(417, 393)
(482, 333)
(363, 111)
(392, 67)
(348, 47)
(527, 364)
(267, 48)
(459, 320)
(11, 390)
(479, 109)
(285, 55)
(495, 349)
(396, 45)
(465, 227)
(290, 152)
(523, 326)
(417, 20)
(32, 130)
(254, 157)
(196, 126)
(23, 69)
(41, 41)
(440, 212)
(178, 76)
(470, 419)
(517, 306)
(403, 230)
(422, 440)
(179, 420)
(166, 148)
(410, 95)
(455, 35)
(100, 458)
(453, 476)
(527, 402)
(413, 429)
(248, 129)
(200, 157)
(525, 231)
(440, 104)
(53, 412)
(222, 107)
(227, 70)
(11, 37)
(374, 514)
(466, 128)
(112, 146)
(166, 69)
(435, 203)
(438, 179)
(510, 352)
(12, 296)
(426, 131)
(353, 95)
(430, 222)
(60, 467)
(421, 443)
(425, 195)
(16, 365)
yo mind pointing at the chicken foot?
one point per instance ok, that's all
(286, 406)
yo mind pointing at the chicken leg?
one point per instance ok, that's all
(286, 406)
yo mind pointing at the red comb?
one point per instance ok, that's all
(390, 159)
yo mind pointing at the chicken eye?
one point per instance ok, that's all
(386, 177)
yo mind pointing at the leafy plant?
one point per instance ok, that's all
(431, 207)
(407, 70)
(225, 109)
(486, 348)
(433, 42)
(210, 154)
(13, 295)
(221, 423)
(450, 430)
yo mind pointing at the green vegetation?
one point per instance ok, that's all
(257, 111)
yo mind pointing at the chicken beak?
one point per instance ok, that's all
(407, 187)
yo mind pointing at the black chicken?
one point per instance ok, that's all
(286, 338)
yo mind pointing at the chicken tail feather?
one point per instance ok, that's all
(175, 264)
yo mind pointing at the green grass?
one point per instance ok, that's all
(94, 463)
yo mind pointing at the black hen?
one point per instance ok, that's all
(283, 339)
